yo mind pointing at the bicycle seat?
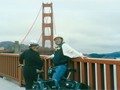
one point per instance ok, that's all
(71, 70)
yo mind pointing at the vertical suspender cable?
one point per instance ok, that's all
(54, 25)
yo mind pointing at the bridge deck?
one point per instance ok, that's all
(9, 85)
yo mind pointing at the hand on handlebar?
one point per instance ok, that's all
(20, 65)
(45, 57)
(39, 71)
(49, 57)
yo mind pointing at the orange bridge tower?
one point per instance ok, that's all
(47, 25)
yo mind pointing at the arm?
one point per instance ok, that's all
(70, 52)
(48, 57)
(51, 56)
(22, 57)
(38, 60)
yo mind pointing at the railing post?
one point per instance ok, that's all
(118, 76)
(100, 78)
(76, 73)
(83, 72)
(91, 76)
(108, 82)
(20, 76)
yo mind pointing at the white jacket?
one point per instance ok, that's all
(70, 52)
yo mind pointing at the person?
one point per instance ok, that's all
(33, 63)
(63, 52)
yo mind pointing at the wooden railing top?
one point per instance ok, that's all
(99, 60)
(9, 54)
(89, 60)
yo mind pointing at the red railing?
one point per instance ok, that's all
(100, 74)
(9, 66)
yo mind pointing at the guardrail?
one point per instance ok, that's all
(100, 74)
(9, 66)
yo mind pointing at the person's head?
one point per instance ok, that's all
(33, 45)
(58, 39)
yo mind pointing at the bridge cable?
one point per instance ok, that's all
(32, 25)
(40, 38)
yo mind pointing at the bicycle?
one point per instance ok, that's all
(42, 84)
(67, 83)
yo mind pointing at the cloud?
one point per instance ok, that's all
(87, 25)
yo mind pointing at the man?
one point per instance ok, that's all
(32, 63)
(63, 52)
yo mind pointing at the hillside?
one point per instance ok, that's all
(113, 55)
(8, 45)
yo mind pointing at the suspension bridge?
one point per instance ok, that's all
(99, 74)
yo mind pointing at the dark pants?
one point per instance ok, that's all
(30, 76)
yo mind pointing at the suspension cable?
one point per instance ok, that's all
(32, 25)
(40, 38)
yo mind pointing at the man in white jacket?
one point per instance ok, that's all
(67, 50)
(63, 52)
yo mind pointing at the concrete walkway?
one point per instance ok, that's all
(9, 85)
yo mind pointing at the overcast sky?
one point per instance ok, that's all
(90, 26)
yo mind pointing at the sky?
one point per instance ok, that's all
(89, 26)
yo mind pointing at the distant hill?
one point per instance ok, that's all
(107, 55)
(9, 45)
(113, 55)
(95, 55)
